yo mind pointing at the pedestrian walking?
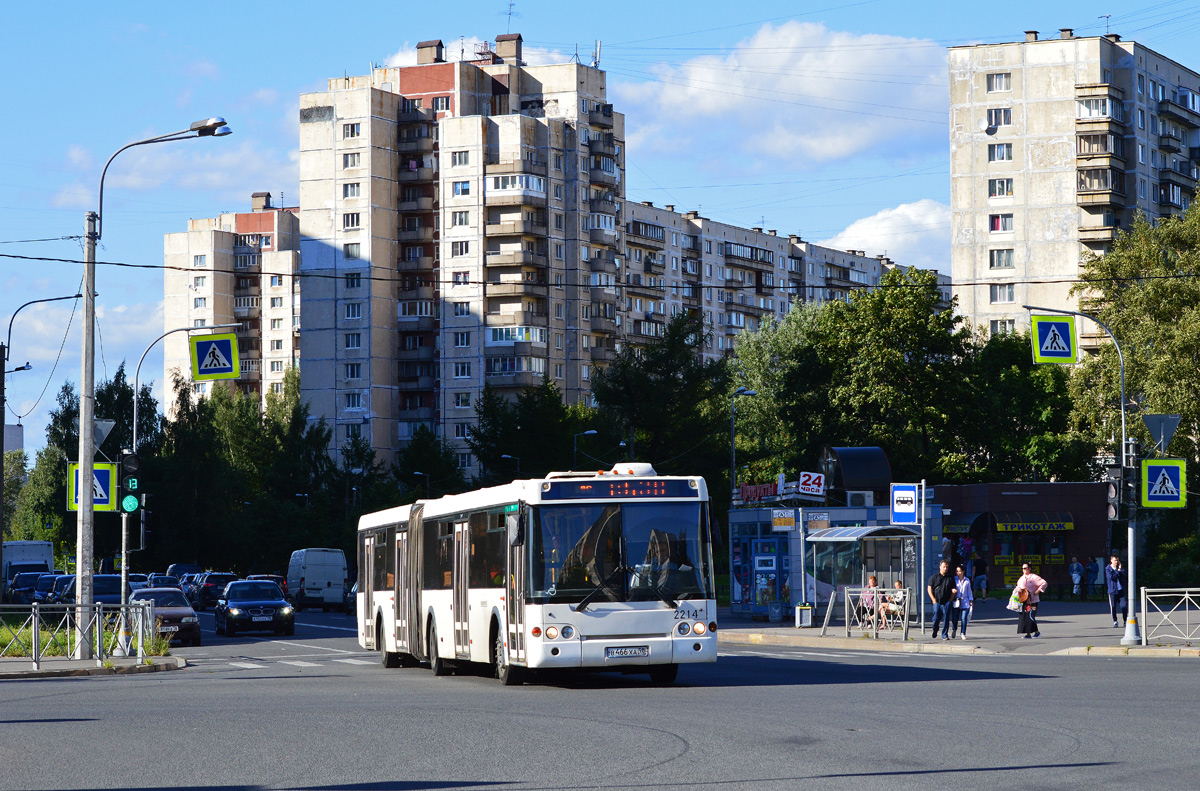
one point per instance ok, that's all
(1028, 590)
(942, 593)
(964, 602)
(1076, 572)
(1114, 581)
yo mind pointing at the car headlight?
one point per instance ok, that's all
(285, 610)
(234, 611)
(189, 619)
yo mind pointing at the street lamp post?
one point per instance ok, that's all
(1131, 637)
(85, 524)
(4, 349)
(517, 459)
(426, 477)
(741, 391)
(575, 443)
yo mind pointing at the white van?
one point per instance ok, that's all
(317, 578)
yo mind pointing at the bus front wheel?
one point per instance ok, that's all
(438, 665)
(509, 676)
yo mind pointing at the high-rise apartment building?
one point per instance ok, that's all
(236, 268)
(464, 223)
(1055, 144)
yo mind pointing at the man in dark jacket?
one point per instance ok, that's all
(942, 592)
(1114, 578)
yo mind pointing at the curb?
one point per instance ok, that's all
(1134, 651)
(740, 637)
(178, 663)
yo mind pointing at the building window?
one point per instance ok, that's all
(1003, 326)
(462, 308)
(1000, 259)
(462, 188)
(201, 387)
(459, 218)
(1000, 222)
(462, 370)
(1000, 293)
(199, 322)
(277, 388)
(1000, 152)
(276, 280)
(460, 248)
(464, 461)
(199, 260)
(350, 130)
(353, 400)
(441, 103)
(354, 310)
(1000, 81)
(353, 340)
(558, 191)
(458, 158)
(200, 302)
(353, 280)
(277, 346)
(277, 366)
(198, 282)
(558, 370)
(999, 116)
(276, 324)
(350, 190)
(354, 431)
(353, 370)
(462, 339)
(350, 220)
(351, 160)
(586, 372)
(277, 302)
(558, 252)
(462, 430)
(462, 400)
(1000, 188)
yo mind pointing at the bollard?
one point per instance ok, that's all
(36, 620)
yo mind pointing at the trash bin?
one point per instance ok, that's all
(803, 615)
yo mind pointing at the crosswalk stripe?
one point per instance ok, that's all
(299, 664)
(247, 665)
(355, 661)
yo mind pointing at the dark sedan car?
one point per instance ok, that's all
(106, 589)
(45, 588)
(207, 588)
(248, 606)
(20, 590)
(173, 614)
(278, 579)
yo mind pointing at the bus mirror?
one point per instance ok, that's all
(516, 527)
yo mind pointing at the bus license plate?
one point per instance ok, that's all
(621, 652)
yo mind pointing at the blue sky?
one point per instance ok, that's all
(823, 118)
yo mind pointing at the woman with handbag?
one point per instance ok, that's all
(1027, 591)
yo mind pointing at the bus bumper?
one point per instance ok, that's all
(629, 652)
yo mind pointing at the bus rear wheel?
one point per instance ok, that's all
(664, 674)
(388, 659)
(438, 665)
(509, 676)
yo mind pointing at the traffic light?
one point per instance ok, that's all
(131, 484)
(1113, 478)
(145, 518)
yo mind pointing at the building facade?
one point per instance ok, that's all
(238, 268)
(1055, 145)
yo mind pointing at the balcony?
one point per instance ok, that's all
(521, 379)
(603, 177)
(517, 318)
(423, 263)
(414, 145)
(514, 198)
(603, 324)
(606, 236)
(601, 206)
(603, 354)
(1177, 112)
(1185, 181)
(420, 292)
(1170, 143)
(419, 354)
(416, 323)
(602, 116)
(409, 175)
(603, 144)
(514, 258)
(423, 234)
(416, 115)
(515, 228)
(515, 288)
(417, 205)
(1097, 233)
(751, 310)
(604, 295)
(603, 261)
(509, 167)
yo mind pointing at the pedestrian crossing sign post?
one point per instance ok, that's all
(214, 357)
(104, 476)
(1054, 339)
(1164, 483)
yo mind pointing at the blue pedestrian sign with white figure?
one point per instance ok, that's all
(1164, 483)
(214, 357)
(103, 477)
(906, 504)
(1054, 339)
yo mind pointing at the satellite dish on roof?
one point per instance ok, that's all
(983, 125)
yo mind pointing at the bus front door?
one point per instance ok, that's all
(515, 595)
(462, 615)
(402, 590)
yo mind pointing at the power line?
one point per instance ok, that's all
(53, 368)
(51, 239)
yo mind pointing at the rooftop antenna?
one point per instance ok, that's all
(462, 47)
(508, 28)
(596, 56)
(575, 57)
(1105, 17)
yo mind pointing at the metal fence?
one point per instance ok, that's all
(873, 611)
(1176, 614)
(49, 631)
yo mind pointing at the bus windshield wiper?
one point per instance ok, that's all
(603, 586)
(657, 591)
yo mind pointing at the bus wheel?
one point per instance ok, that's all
(387, 658)
(509, 676)
(436, 663)
(664, 674)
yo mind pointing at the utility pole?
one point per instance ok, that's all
(85, 521)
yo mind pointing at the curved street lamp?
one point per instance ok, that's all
(575, 441)
(517, 459)
(741, 391)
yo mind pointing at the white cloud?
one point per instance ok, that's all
(219, 164)
(913, 234)
(790, 91)
(79, 157)
(203, 69)
(75, 195)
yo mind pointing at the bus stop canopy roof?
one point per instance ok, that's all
(859, 532)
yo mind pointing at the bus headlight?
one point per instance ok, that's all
(683, 628)
(551, 632)
(699, 628)
(568, 632)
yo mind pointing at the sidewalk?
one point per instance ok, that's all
(1068, 628)
(57, 667)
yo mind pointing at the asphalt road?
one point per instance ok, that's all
(315, 712)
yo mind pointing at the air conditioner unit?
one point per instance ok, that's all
(860, 499)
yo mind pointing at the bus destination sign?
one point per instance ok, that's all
(614, 488)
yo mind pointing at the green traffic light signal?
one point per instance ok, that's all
(129, 503)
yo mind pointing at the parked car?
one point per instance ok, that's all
(106, 589)
(173, 614)
(20, 590)
(162, 581)
(45, 587)
(179, 569)
(317, 578)
(251, 606)
(351, 605)
(138, 581)
(186, 583)
(60, 588)
(276, 578)
(208, 587)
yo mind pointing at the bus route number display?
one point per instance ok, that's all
(617, 488)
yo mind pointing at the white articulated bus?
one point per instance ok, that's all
(604, 571)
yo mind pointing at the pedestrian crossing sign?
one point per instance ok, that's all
(104, 476)
(1054, 339)
(1164, 483)
(214, 357)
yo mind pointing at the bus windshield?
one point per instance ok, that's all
(644, 551)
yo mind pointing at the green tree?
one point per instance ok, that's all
(437, 462)
(16, 465)
(41, 506)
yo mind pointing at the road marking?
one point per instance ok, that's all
(355, 661)
(247, 665)
(323, 626)
(299, 664)
(314, 647)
